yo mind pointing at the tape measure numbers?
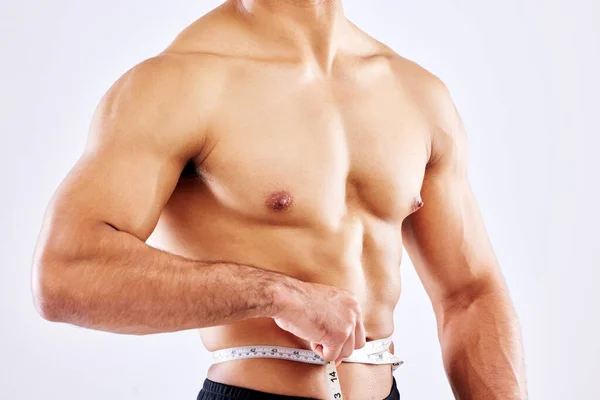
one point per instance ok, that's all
(374, 352)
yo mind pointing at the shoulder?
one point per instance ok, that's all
(164, 102)
(422, 89)
(427, 89)
(415, 81)
(434, 101)
(166, 78)
(188, 73)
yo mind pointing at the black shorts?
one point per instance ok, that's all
(218, 391)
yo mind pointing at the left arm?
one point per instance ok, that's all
(450, 249)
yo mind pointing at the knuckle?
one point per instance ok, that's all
(354, 304)
(332, 338)
(342, 334)
(349, 329)
(352, 299)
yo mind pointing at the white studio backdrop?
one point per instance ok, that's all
(524, 75)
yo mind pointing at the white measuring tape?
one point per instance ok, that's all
(374, 352)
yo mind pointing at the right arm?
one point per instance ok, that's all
(92, 267)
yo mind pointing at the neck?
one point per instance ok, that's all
(313, 28)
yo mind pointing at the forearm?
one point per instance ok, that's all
(120, 284)
(481, 347)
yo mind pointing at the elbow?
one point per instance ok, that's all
(64, 245)
(46, 307)
(48, 285)
(464, 298)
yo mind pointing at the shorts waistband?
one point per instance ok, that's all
(240, 393)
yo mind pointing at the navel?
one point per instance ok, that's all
(279, 201)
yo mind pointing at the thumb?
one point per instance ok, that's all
(331, 353)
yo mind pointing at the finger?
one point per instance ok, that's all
(360, 338)
(331, 351)
(347, 349)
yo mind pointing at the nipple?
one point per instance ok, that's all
(417, 203)
(279, 201)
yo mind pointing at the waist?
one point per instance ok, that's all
(374, 352)
(302, 381)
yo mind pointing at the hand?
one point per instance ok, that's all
(328, 317)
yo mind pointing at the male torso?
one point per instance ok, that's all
(302, 172)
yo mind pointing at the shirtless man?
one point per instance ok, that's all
(280, 158)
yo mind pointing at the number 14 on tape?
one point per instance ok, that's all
(333, 383)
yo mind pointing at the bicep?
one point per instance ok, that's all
(114, 185)
(140, 139)
(446, 239)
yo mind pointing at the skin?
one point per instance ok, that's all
(277, 159)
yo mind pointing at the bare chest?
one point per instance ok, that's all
(301, 153)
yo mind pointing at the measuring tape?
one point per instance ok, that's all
(374, 352)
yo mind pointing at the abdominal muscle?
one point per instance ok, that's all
(360, 256)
